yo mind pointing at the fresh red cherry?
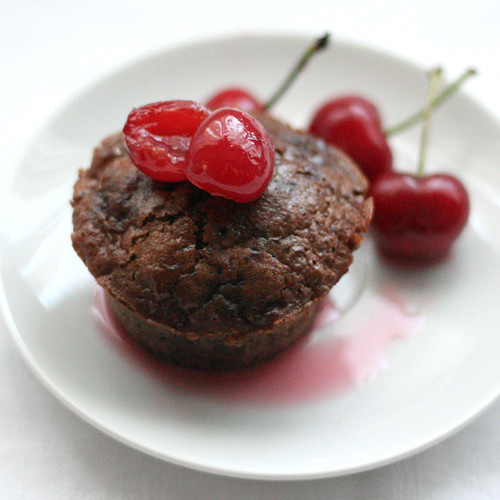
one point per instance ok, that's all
(417, 218)
(353, 124)
(231, 155)
(234, 98)
(158, 135)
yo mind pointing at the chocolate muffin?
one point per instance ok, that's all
(208, 283)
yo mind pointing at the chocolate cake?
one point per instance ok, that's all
(209, 283)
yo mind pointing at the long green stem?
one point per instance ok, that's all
(318, 45)
(439, 99)
(434, 83)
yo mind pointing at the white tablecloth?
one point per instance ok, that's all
(51, 49)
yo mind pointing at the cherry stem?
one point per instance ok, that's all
(317, 46)
(434, 83)
(439, 99)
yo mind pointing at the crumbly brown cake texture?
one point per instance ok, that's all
(208, 283)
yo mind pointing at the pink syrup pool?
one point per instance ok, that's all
(318, 366)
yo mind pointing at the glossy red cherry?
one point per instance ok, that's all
(234, 98)
(353, 124)
(417, 219)
(231, 155)
(158, 135)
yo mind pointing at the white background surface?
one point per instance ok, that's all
(48, 51)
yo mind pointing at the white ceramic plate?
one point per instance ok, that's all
(316, 412)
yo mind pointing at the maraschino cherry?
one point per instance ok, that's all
(231, 155)
(158, 135)
(226, 152)
(417, 218)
